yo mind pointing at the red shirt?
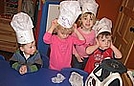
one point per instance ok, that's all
(96, 58)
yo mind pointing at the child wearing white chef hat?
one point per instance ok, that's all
(62, 42)
(86, 21)
(104, 48)
(26, 59)
(89, 6)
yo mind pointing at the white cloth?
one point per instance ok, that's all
(103, 25)
(76, 79)
(22, 25)
(82, 2)
(89, 6)
(69, 12)
(58, 79)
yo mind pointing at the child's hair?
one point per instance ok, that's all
(20, 45)
(102, 34)
(92, 16)
(63, 30)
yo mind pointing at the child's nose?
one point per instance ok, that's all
(33, 48)
(106, 43)
(88, 21)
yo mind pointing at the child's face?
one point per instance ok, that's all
(105, 41)
(87, 21)
(63, 34)
(29, 49)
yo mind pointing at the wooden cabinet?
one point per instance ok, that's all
(124, 36)
(123, 32)
(7, 35)
(121, 12)
(130, 61)
(126, 80)
(109, 10)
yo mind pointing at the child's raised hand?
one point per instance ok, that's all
(111, 45)
(97, 42)
(54, 23)
(77, 32)
(75, 28)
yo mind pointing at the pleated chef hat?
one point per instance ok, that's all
(22, 25)
(103, 25)
(89, 6)
(69, 12)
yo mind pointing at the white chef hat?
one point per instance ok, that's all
(82, 2)
(89, 6)
(103, 25)
(69, 12)
(22, 25)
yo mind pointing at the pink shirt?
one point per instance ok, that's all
(61, 50)
(90, 39)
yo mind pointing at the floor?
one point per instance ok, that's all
(7, 55)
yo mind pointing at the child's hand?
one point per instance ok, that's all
(23, 69)
(79, 35)
(111, 45)
(79, 58)
(75, 28)
(97, 42)
(54, 23)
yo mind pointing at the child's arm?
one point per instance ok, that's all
(78, 33)
(116, 51)
(91, 49)
(14, 63)
(54, 24)
(79, 58)
(48, 35)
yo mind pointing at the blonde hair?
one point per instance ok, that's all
(92, 16)
(63, 30)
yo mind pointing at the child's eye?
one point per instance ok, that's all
(102, 40)
(31, 47)
(85, 18)
(109, 40)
